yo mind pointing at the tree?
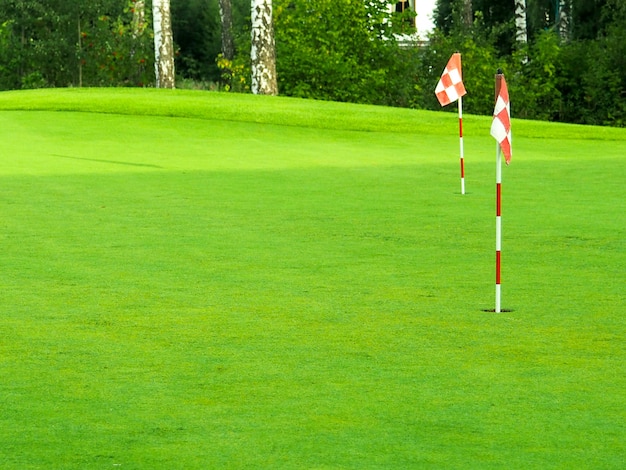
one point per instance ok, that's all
(467, 14)
(521, 30)
(263, 49)
(452, 15)
(139, 17)
(163, 44)
(226, 20)
(114, 48)
(589, 19)
(196, 30)
(48, 43)
(564, 19)
(342, 51)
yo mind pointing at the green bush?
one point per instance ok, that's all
(591, 86)
(533, 78)
(49, 44)
(340, 51)
(112, 54)
(479, 65)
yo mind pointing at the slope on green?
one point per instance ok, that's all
(290, 286)
(279, 110)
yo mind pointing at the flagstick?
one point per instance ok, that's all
(461, 144)
(498, 205)
(498, 222)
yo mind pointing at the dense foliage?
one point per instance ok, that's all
(580, 78)
(342, 51)
(70, 43)
(354, 60)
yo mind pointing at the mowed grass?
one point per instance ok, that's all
(203, 280)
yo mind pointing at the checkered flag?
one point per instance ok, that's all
(450, 87)
(501, 124)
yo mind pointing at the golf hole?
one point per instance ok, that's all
(493, 310)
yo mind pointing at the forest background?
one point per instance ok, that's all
(339, 51)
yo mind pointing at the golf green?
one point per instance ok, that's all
(198, 280)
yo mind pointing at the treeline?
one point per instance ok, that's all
(571, 68)
(60, 43)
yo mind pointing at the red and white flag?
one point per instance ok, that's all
(501, 125)
(450, 87)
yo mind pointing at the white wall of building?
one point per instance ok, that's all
(424, 20)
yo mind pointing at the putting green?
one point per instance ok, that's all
(270, 283)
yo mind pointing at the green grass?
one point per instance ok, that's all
(204, 280)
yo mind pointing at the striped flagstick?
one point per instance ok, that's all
(461, 144)
(501, 131)
(450, 88)
(498, 225)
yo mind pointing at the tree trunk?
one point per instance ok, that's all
(163, 44)
(139, 18)
(521, 32)
(563, 18)
(263, 50)
(467, 15)
(80, 60)
(226, 18)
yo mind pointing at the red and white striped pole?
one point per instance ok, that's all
(450, 88)
(501, 131)
(498, 207)
(461, 144)
(498, 224)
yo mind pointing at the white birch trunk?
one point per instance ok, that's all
(139, 18)
(564, 18)
(521, 32)
(263, 50)
(163, 44)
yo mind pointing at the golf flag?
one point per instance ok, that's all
(501, 131)
(450, 87)
(501, 125)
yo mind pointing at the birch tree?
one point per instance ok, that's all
(263, 49)
(139, 18)
(563, 20)
(521, 30)
(163, 44)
